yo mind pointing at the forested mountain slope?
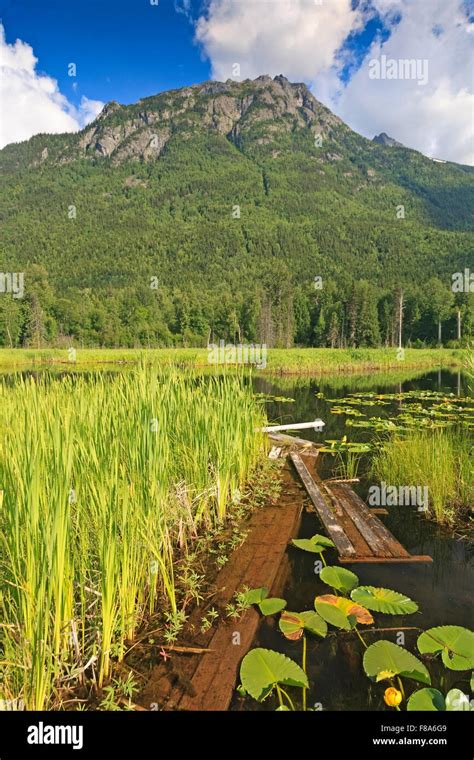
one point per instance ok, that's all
(210, 210)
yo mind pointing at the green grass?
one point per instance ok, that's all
(442, 460)
(106, 480)
(469, 368)
(311, 361)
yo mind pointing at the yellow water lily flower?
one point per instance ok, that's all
(392, 697)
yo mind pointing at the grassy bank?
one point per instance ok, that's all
(310, 361)
(105, 482)
(442, 460)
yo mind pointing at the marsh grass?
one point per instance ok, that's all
(293, 361)
(469, 368)
(442, 459)
(106, 480)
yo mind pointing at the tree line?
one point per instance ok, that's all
(275, 311)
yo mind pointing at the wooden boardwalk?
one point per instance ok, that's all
(206, 681)
(357, 533)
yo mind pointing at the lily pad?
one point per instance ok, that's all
(293, 624)
(384, 600)
(339, 578)
(426, 700)
(314, 623)
(457, 701)
(455, 643)
(340, 612)
(262, 669)
(272, 605)
(316, 544)
(386, 656)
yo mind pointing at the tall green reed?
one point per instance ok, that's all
(440, 459)
(105, 480)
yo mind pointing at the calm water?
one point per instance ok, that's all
(443, 589)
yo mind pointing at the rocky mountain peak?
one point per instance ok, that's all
(384, 139)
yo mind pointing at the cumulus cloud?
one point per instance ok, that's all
(31, 102)
(297, 38)
(437, 117)
(308, 41)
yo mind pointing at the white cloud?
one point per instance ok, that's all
(31, 102)
(304, 40)
(297, 38)
(436, 118)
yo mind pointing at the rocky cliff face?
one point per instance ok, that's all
(389, 142)
(232, 109)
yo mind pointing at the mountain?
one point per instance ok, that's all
(384, 139)
(210, 210)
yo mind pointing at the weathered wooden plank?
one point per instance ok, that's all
(395, 548)
(332, 525)
(357, 539)
(206, 681)
(293, 440)
(378, 546)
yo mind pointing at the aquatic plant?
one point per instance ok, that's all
(262, 671)
(106, 481)
(383, 661)
(442, 460)
(432, 700)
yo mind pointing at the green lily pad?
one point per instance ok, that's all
(314, 623)
(316, 544)
(385, 656)
(261, 669)
(271, 605)
(339, 578)
(384, 600)
(427, 700)
(455, 643)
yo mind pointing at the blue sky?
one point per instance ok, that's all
(128, 49)
(123, 49)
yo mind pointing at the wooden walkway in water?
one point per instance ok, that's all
(357, 532)
(205, 680)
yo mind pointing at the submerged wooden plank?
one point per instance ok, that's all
(309, 447)
(329, 520)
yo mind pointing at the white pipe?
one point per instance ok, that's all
(316, 425)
